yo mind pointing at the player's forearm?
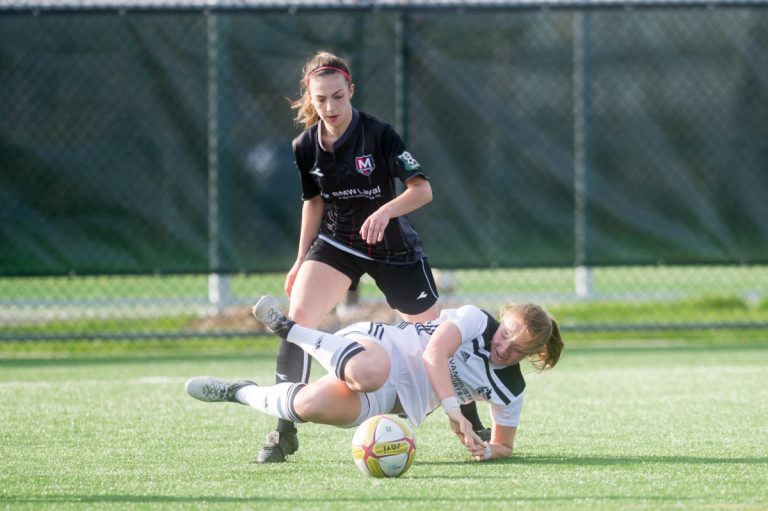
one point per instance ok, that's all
(417, 194)
(489, 451)
(499, 451)
(501, 444)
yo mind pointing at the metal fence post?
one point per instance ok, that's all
(218, 284)
(583, 274)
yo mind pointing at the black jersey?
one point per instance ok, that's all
(355, 178)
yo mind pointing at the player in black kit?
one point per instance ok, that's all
(353, 221)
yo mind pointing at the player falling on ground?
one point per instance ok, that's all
(411, 368)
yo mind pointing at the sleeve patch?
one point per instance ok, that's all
(409, 162)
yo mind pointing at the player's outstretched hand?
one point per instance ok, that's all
(463, 429)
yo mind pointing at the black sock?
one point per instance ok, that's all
(285, 426)
(469, 411)
(292, 365)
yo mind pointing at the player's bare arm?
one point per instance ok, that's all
(418, 192)
(500, 446)
(441, 347)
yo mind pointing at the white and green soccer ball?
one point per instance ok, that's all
(383, 446)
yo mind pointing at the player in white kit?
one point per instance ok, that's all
(411, 368)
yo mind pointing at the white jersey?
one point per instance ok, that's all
(473, 375)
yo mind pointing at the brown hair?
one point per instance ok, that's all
(544, 342)
(306, 115)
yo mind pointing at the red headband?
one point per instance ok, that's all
(323, 68)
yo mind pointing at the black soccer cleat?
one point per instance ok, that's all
(484, 434)
(278, 445)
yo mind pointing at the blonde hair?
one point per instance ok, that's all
(543, 344)
(322, 63)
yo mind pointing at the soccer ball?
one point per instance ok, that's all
(383, 446)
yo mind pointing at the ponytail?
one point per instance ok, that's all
(554, 347)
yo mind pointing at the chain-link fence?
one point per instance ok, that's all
(609, 163)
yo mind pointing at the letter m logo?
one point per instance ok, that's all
(364, 164)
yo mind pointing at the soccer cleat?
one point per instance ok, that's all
(278, 445)
(484, 434)
(212, 390)
(267, 310)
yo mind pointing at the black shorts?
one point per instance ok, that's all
(408, 288)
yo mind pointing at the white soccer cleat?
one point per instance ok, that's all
(267, 310)
(212, 390)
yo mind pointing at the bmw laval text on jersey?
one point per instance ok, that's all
(356, 193)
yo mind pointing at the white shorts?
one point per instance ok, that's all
(376, 403)
(407, 380)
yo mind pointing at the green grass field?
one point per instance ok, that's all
(629, 424)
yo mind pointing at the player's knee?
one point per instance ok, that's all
(309, 405)
(305, 316)
(363, 374)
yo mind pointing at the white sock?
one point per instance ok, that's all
(275, 400)
(331, 351)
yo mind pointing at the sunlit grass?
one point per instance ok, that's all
(609, 428)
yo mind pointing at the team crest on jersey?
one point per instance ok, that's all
(364, 164)
(409, 162)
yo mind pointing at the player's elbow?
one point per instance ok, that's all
(426, 193)
(421, 187)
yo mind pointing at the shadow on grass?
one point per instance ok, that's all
(301, 503)
(630, 460)
(609, 461)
